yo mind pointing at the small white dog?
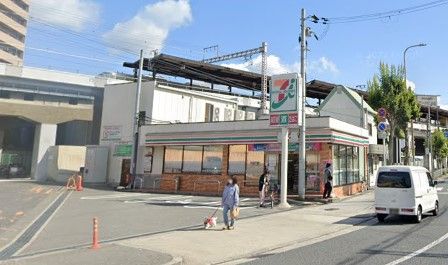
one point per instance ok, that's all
(210, 222)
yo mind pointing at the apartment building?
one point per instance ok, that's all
(13, 26)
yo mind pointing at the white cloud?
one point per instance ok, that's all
(323, 65)
(72, 14)
(410, 84)
(275, 66)
(150, 27)
(444, 107)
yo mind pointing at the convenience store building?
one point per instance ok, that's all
(199, 157)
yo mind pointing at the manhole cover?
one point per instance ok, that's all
(331, 209)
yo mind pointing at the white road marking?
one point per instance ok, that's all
(113, 196)
(439, 188)
(211, 207)
(442, 193)
(420, 251)
(150, 199)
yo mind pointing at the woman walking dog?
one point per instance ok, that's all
(230, 202)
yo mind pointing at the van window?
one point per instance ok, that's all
(394, 180)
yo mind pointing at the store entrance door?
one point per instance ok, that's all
(293, 173)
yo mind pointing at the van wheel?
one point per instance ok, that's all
(381, 217)
(435, 212)
(418, 217)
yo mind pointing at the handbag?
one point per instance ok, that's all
(235, 213)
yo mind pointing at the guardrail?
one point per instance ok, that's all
(207, 181)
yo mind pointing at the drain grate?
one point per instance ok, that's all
(26, 236)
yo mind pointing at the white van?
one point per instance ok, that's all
(405, 190)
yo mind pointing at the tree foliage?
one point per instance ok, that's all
(439, 144)
(388, 90)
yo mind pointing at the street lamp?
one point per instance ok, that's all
(412, 122)
(404, 59)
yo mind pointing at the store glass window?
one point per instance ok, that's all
(192, 159)
(350, 173)
(355, 164)
(212, 159)
(254, 165)
(336, 165)
(312, 180)
(237, 159)
(343, 164)
(173, 159)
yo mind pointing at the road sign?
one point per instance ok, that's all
(382, 126)
(382, 112)
(382, 134)
(285, 103)
(446, 134)
(428, 100)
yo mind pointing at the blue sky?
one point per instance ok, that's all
(79, 36)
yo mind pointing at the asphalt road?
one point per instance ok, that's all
(386, 243)
(18, 198)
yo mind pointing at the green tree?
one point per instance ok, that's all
(439, 145)
(388, 90)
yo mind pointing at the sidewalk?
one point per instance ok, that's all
(110, 254)
(254, 236)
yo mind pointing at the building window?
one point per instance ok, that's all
(254, 164)
(369, 126)
(237, 159)
(192, 159)
(212, 159)
(173, 159)
(208, 112)
(346, 164)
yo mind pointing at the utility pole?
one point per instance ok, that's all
(428, 139)
(136, 119)
(302, 158)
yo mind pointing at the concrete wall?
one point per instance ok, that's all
(63, 161)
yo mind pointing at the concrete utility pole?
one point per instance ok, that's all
(302, 158)
(412, 121)
(135, 119)
(429, 140)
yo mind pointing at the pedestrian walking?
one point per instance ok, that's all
(230, 202)
(329, 181)
(263, 182)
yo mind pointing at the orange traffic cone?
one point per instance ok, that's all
(95, 243)
(79, 183)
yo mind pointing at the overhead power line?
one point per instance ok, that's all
(380, 15)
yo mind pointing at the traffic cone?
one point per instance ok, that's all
(95, 244)
(79, 183)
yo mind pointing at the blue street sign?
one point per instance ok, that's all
(446, 134)
(382, 126)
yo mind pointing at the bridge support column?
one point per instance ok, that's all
(44, 137)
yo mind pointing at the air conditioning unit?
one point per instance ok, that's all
(228, 114)
(215, 114)
(240, 115)
(250, 116)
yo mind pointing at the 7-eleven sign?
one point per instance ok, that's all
(285, 95)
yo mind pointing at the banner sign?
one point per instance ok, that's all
(285, 100)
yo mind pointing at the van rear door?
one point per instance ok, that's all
(394, 190)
